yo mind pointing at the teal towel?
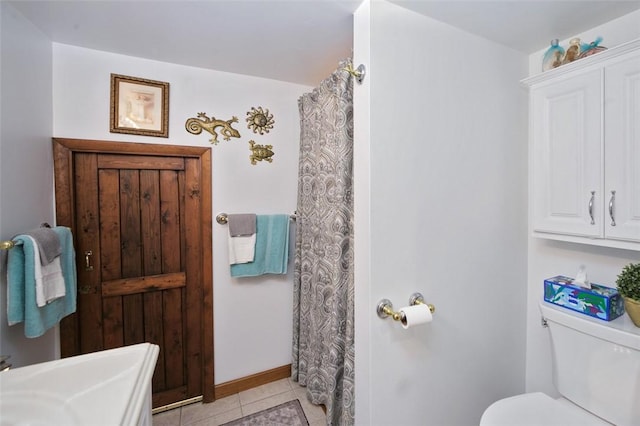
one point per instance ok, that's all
(21, 286)
(272, 248)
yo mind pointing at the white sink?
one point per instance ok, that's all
(111, 387)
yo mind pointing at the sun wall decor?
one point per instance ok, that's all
(259, 120)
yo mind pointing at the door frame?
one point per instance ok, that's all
(63, 151)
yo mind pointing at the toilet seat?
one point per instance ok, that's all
(537, 409)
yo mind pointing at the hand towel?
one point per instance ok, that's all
(49, 279)
(272, 248)
(21, 297)
(241, 249)
(48, 243)
(241, 225)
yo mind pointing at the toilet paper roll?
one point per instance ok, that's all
(415, 315)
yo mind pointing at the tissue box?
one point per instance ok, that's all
(598, 302)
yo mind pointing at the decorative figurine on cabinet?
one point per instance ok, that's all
(573, 51)
(592, 48)
(553, 56)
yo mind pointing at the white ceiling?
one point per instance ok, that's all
(299, 41)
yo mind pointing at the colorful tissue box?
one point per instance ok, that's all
(599, 301)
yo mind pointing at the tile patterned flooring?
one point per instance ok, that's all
(241, 404)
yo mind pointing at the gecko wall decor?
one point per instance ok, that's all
(202, 122)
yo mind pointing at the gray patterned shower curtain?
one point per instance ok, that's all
(323, 329)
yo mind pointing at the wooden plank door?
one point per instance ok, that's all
(142, 233)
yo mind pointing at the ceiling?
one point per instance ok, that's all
(299, 41)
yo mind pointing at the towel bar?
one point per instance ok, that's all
(223, 218)
(7, 245)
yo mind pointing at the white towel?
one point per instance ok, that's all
(49, 279)
(241, 249)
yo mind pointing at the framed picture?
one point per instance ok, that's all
(139, 106)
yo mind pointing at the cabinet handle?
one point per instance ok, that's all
(612, 212)
(591, 201)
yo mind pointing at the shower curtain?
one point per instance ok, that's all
(323, 330)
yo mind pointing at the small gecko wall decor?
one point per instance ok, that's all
(196, 125)
(260, 152)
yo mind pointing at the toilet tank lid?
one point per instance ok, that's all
(620, 331)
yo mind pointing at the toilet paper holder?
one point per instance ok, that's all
(385, 307)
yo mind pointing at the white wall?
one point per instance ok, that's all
(26, 166)
(251, 316)
(447, 218)
(549, 258)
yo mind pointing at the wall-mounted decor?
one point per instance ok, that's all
(139, 106)
(260, 152)
(260, 121)
(196, 125)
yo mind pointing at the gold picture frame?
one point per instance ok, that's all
(139, 106)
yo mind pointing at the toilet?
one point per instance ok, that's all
(596, 369)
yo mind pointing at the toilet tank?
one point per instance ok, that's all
(596, 364)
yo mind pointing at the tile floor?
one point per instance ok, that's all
(241, 404)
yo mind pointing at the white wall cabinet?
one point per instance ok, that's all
(622, 148)
(585, 150)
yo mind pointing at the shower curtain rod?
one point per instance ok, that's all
(358, 73)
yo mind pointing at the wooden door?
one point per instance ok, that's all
(141, 219)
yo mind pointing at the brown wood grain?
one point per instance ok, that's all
(173, 306)
(193, 268)
(63, 168)
(140, 162)
(86, 211)
(252, 381)
(170, 396)
(109, 194)
(152, 265)
(150, 221)
(143, 284)
(145, 212)
(131, 253)
(206, 258)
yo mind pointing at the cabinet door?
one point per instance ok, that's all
(622, 149)
(567, 156)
